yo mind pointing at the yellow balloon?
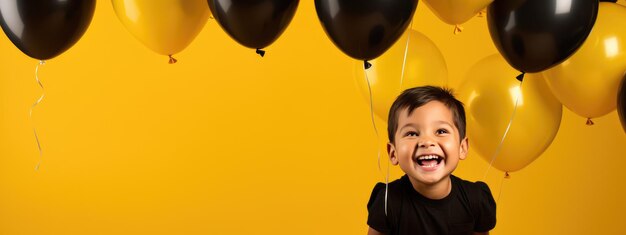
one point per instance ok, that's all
(489, 93)
(456, 11)
(424, 65)
(587, 82)
(164, 26)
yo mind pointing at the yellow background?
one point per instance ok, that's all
(226, 142)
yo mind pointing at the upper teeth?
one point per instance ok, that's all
(428, 157)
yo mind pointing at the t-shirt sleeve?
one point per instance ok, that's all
(376, 217)
(486, 219)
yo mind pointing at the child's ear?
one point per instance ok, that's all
(464, 148)
(393, 157)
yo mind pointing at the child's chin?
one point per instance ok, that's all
(431, 178)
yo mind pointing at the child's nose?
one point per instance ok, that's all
(426, 142)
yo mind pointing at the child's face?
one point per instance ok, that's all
(427, 143)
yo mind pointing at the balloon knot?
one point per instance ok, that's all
(589, 122)
(366, 64)
(172, 60)
(260, 52)
(482, 13)
(521, 76)
(507, 175)
(458, 29)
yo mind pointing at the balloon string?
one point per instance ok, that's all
(506, 176)
(369, 88)
(30, 113)
(406, 49)
(508, 127)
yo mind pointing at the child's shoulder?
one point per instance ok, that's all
(386, 202)
(394, 187)
(467, 186)
(392, 191)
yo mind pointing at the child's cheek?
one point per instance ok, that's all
(448, 147)
(406, 148)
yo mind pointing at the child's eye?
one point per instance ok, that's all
(411, 133)
(442, 131)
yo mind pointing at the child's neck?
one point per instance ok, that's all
(435, 191)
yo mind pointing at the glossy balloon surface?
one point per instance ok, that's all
(365, 29)
(534, 35)
(46, 28)
(254, 23)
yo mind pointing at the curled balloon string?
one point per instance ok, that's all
(260, 52)
(406, 49)
(172, 60)
(366, 65)
(508, 127)
(369, 89)
(589, 122)
(521, 76)
(30, 113)
(457, 29)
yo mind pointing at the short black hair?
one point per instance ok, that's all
(413, 98)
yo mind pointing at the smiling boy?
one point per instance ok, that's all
(427, 139)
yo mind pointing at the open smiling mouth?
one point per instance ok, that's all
(429, 160)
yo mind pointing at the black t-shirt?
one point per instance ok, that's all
(468, 208)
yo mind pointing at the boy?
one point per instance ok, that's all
(427, 139)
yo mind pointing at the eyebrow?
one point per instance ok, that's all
(444, 122)
(436, 122)
(405, 125)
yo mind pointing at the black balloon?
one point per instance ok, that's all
(253, 23)
(365, 29)
(534, 35)
(621, 103)
(43, 29)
